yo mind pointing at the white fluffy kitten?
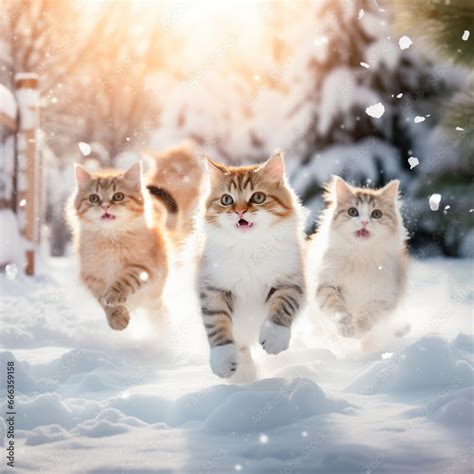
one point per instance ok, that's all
(362, 256)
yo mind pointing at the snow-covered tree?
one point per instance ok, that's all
(446, 28)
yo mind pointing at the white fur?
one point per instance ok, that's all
(249, 266)
(370, 272)
(274, 338)
(224, 360)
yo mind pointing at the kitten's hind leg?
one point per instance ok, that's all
(247, 370)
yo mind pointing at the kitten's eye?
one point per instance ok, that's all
(353, 212)
(226, 200)
(376, 214)
(118, 197)
(94, 198)
(258, 198)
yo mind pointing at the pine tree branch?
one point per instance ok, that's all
(441, 24)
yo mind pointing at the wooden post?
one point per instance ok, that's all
(26, 86)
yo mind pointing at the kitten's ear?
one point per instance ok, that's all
(133, 176)
(215, 169)
(82, 175)
(342, 190)
(390, 190)
(274, 168)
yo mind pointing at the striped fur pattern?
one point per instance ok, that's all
(251, 274)
(362, 255)
(122, 252)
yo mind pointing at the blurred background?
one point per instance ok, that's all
(369, 90)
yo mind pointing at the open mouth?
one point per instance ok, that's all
(107, 216)
(243, 224)
(364, 233)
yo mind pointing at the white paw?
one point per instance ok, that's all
(274, 338)
(224, 360)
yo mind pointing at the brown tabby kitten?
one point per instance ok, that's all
(122, 252)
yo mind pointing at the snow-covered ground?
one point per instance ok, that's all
(91, 400)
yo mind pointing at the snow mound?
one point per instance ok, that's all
(464, 342)
(146, 407)
(24, 382)
(108, 422)
(46, 434)
(429, 363)
(456, 410)
(46, 409)
(101, 428)
(270, 403)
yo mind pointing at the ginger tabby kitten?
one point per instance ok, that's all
(122, 252)
(251, 277)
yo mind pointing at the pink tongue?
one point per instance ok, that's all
(362, 233)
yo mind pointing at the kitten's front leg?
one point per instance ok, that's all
(114, 298)
(216, 308)
(118, 317)
(284, 302)
(332, 302)
(125, 285)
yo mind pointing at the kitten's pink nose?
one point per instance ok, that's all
(241, 214)
(365, 223)
(105, 206)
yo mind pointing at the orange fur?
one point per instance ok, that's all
(279, 201)
(123, 261)
(180, 172)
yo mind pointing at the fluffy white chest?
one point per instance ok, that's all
(249, 269)
(366, 280)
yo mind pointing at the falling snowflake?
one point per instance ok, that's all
(11, 271)
(399, 96)
(319, 41)
(304, 434)
(386, 355)
(376, 110)
(435, 199)
(263, 438)
(361, 13)
(460, 129)
(144, 276)
(405, 42)
(364, 65)
(238, 467)
(419, 119)
(85, 148)
(23, 202)
(465, 35)
(413, 162)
